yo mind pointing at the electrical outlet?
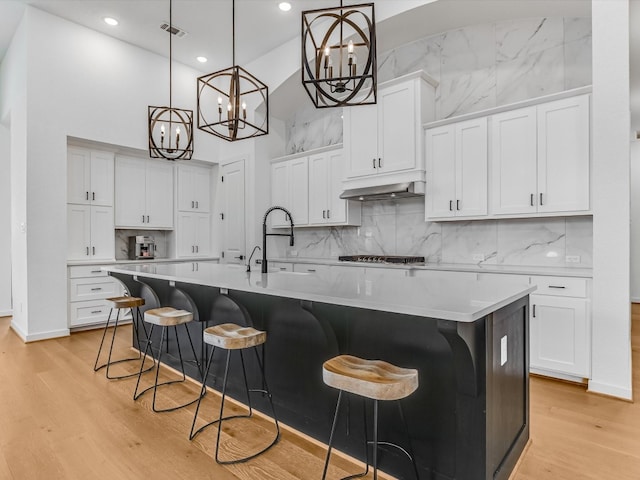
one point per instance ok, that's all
(503, 350)
(478, 257)
(572, 259)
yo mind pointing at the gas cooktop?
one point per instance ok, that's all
(381, 259)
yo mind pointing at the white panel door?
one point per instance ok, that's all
(78, 175)
(560, 334)
(233, 224)
(159, 194)
(441, 172)
(79, 232)
(337, 212)
(361, 130)
(279, 193)
(513, 153)
(102, 233)
(397, 127)
(471, 168)
(130, 192)
(299, 191)
(563, 155)
(102, 178)
(318, 188)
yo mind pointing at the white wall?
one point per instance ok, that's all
(635, 220)
(5, 221)
(611, 330)
(82, 84)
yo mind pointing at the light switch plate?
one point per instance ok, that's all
(503, 350)
(572, 259)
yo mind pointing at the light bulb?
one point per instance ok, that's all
(350, 46)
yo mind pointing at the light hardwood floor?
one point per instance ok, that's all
(60, 420)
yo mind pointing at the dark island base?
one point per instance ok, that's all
(469, 418)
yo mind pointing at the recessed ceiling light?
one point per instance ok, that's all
(284, 6)
(201, 59)
(110, 21)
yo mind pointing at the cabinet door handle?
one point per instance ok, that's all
(147, 218)
(222, 216)
(142, 218)
(197, 204)
(324, 213)
(87, 250)
(328, 214)
(94, 250)
(379, 162)
(534, 311)
(193, 204)
(87, 195)
(197, 249)
(557, 286)
(193, 249)
(451, 205)
(97, 289)
(531, 201)
(457, 204)
(374, 163)
(541, 200)
(93, 195)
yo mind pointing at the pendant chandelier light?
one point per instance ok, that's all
(339, 55)
(170, 129)
(232, 103)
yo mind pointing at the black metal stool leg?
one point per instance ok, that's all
(104, 334)
(333, 428)
(224, 393)
(203, 390)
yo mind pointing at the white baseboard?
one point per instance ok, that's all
(6, 313)
(34, 337)
(635, 299)
(560, 376)
(610, 390)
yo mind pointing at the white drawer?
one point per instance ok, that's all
(82, 271)
(311, 268)
(93, 289)
(560, 286)
(87, 313)
(282, 266)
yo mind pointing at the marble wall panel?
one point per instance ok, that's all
(536, 242)
(122, 242)
(462, 240)
(580, 240)
(521, 38)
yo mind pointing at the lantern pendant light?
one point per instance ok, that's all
(232, 103)
(339, 55)
(170, 129)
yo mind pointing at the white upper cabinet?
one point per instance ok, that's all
(326, 171)
(290, 189)
(310, 187)
(144, 193)
(90, 177)
(457, 170)
(194, 188)
(386, 138)
(541, 158)
(563, 155)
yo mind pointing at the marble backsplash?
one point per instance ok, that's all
(160, 238)
(477, 67)
(399, 228)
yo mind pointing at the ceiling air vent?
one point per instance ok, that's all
(177, 31)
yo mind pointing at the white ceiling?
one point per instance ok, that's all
(261, 26)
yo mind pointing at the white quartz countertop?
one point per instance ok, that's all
(435, 296)
(73, 263)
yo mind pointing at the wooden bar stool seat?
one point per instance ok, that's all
(133, 304)
(165, 317)
(230, 337)
(376, 380)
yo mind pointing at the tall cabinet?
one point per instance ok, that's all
(90, 235)
(193, 229)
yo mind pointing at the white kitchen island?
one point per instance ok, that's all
(469, 419)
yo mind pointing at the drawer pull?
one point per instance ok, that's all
(96, 271)
(556, 286)
(96, 311)
(96, 289)
(312, 270)
(283, 269)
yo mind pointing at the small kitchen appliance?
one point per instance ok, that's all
(141, 247)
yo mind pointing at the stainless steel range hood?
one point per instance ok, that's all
(385, 192)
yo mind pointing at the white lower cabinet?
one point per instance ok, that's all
(280, 266)
(560, 327)
(90, 232)
(88, 288)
